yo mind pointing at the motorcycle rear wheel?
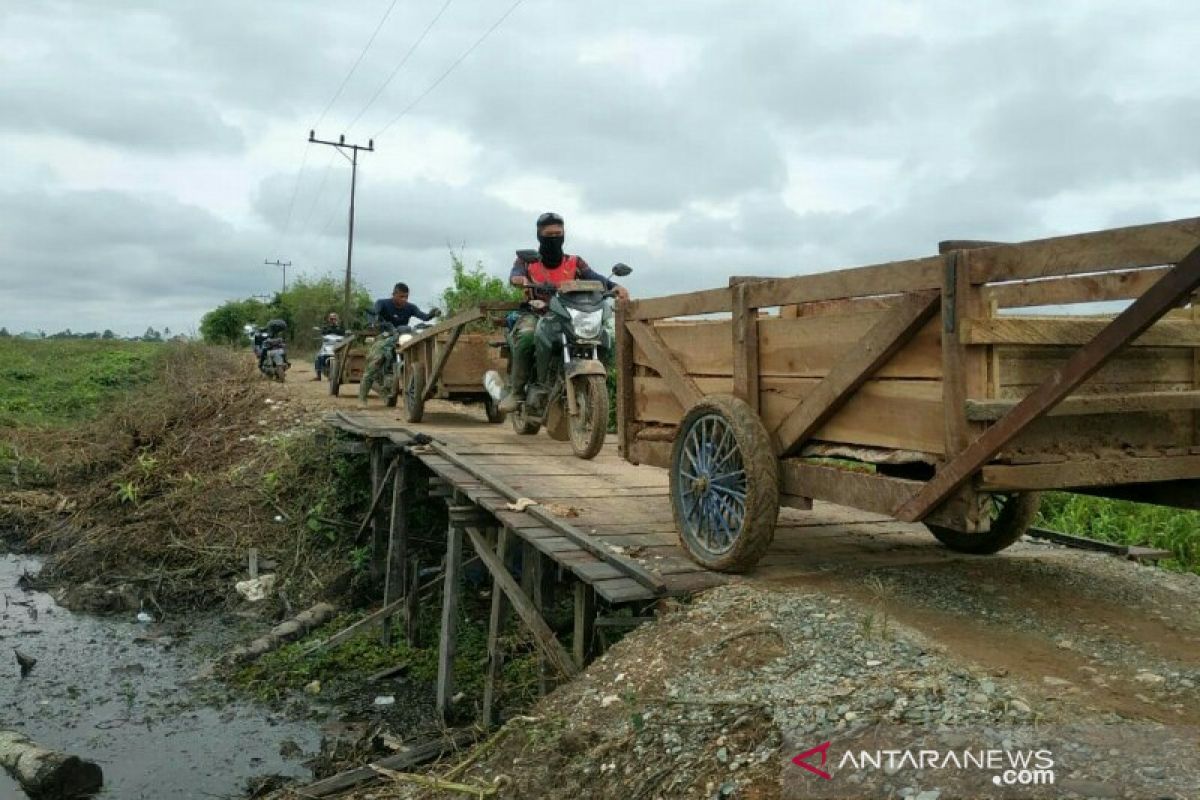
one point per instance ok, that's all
(588, 427)
(414, 393)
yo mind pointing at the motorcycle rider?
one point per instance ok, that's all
(275, 329)
(535, 333)
(388, 314)
(332, 327)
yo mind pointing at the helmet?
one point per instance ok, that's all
(549, 218)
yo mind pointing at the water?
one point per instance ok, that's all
(112, 690)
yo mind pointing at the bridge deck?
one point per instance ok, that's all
(623, 506)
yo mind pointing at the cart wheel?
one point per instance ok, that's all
(588, 428)
(1012, 514)
(492, 409)
(724, 484)
(414, 394)
(334, 368)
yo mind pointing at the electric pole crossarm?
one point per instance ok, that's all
(284, 265)
(341, 145)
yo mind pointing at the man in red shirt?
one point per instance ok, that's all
(532, 340)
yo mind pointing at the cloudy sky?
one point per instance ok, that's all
(153, 154)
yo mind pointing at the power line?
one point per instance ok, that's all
(287, 224)
(320, 186)
(357, 61)
(403, 61)
(450, 69)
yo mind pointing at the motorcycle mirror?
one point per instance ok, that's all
(621, 270)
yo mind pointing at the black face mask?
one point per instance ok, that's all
(551, 250)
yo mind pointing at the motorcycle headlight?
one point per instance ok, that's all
(586, 323)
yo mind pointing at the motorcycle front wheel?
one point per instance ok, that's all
(588, 427)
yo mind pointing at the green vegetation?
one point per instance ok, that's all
(304, 305)
(1129, 523)
(471, 287)
(59, 381)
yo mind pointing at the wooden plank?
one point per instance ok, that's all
(745, 348)
(1094, 472)
(429, 334)
(890, 278)
(957, 432)
(707, 301)
(1196, 375)
(1061, 331)
(380, 488)
(448, 634)
(1177, 494)
(435, 374)
(408, 756)
(397, 546)
(523, 606)
(585, 624)
(350, 631)
(495, 623)
(991, 410)
(1145, 311)
(1101, 287)
(1115, 249)
(681, 385)
(626, 421)
(880, 343)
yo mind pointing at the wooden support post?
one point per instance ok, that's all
(412, 600)
(533, 582)
(1175, 286)
(495, 625)
(448, 634)
(435, 374)
(585, 623)
(523, 606)
(378, 478)
(745, 347)
(397, 546)
(954, 355)
(626, 408)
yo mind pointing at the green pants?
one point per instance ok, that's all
(535, 342)
(376, 364)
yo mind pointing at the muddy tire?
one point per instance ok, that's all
(1014, 514)
(393, 392)
(588, 428)
(492, 409)
(724, 484)
(522, 426)
(414, 394)
(335, 378)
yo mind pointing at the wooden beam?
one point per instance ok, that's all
(897, 277)
(523, 606)
(745, 348)
(707, 301)
(949, 245)
(1177, 494)
(1105, 286)
(585, 623)
(626, 411)
(397, 545)
(380, 489)
(1061, 331)
(409, 756)
(679, 382)
(435, 374)
(350, 631)
(448, 634)
(1129, 324)
(1118, 248)
(881, 342)
(1084, 404)
(1093, 472)
(457, 321)
(495, 624)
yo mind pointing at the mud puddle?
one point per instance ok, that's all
(113, 690)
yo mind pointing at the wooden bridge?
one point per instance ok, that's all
(603, 528)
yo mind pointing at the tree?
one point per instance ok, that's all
(308, 301)
(224, 324)
(470, 288)
(108, 334)
(4, 334)
(151, 335)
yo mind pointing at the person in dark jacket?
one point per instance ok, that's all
(391, 315)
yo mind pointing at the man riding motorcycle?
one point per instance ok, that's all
(332, 327)
(388, 314)
(535, 333)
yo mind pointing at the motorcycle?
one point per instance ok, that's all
(329, 344)
(394, 369)
(574, 403)
(272, 360)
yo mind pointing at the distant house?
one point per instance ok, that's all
(29, 335)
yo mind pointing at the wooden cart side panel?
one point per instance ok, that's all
(472, 356)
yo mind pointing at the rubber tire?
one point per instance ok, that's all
(1015, 518)
(762, 484)
(414, 394)
(522, 426)
(335, 383)
(587, 443)
(393, 395)
(492, 410)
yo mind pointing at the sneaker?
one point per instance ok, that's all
(511, 402)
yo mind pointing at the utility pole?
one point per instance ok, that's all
(341, 145)
(278, 263)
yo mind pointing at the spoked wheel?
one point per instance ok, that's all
(724, 484)
(588, 427)
(492, 409)
(1011, 516)
(414, 393)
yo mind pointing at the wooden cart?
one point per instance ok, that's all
(448, 361)
(348, 361)
(925, 389)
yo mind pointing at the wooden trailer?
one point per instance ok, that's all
(948, 389)
(448, 361)
(348, 361)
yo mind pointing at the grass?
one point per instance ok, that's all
(59, 382)
(1123, 522)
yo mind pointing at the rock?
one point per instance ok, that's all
(987, 687)
(722, 755)
(312, 687)
(609, 700)
(1157, 773)
(1020, 707)
(928, 794)
(1150, 678)
(1050, 680)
